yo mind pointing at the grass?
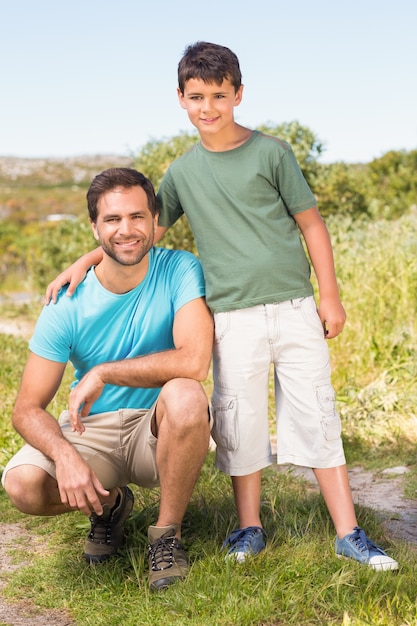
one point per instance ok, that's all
(297, 580)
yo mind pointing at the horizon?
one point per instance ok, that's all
(84, 79)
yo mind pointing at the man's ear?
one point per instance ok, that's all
(94, 229)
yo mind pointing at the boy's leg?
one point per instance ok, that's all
(309, 429)
(335, 488)
(247, 493)
(241, 369)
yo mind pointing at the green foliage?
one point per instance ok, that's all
(375, 358)
(393, 180)
(58, 245)
(341, 189)
(156, 156)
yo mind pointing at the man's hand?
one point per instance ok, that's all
(79, 486)
(83, 396)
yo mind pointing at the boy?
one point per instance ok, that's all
(246, 200)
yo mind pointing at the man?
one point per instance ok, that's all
(139, 335)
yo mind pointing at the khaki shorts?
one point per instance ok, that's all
(119, 446)
(289, 337)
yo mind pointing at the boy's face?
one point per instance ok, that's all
(210, 107)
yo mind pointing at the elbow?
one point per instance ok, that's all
(200, 369)
(16, 419)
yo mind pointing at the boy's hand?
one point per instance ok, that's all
(333, 316)
(71, 275)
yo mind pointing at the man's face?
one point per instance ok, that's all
(125, 226)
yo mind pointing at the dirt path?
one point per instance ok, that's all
(382, 492)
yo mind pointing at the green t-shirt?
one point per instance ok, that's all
(240, 204)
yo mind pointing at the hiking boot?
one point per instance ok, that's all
(357, 546)
(166, 557)
(106, 533)
(244, 542)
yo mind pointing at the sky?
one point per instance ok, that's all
(90, 77)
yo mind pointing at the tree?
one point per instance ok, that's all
(393, 182)
(342, 188)
(305, 144)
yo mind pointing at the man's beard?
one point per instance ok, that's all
(126, 258)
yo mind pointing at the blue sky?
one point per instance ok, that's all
(99, 76)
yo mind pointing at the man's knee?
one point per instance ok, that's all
(185, 401)
(26, 486)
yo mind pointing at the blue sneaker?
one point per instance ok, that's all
(357, 546)
(244, 542)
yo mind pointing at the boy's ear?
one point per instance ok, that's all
(181, 98)
(239, 95)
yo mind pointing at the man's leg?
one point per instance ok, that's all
(33, 491)
(183, 431)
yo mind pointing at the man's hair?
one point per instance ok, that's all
(118, 177)
(210, 63)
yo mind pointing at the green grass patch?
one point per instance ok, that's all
(297, 580)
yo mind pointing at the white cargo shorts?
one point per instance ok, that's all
(290, 336)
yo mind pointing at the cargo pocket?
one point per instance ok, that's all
(332, 427)
(330, 421)
(224, 410)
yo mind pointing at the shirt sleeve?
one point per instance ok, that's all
(170, 209)
(293, 187)
(52, 337)
(184, 277)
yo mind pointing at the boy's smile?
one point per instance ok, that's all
(210, 106)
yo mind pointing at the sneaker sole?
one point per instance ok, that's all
(378, 567)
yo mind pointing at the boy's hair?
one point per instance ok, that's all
(118, 177)
(210, 63)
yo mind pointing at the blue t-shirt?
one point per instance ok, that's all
(96, 325)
